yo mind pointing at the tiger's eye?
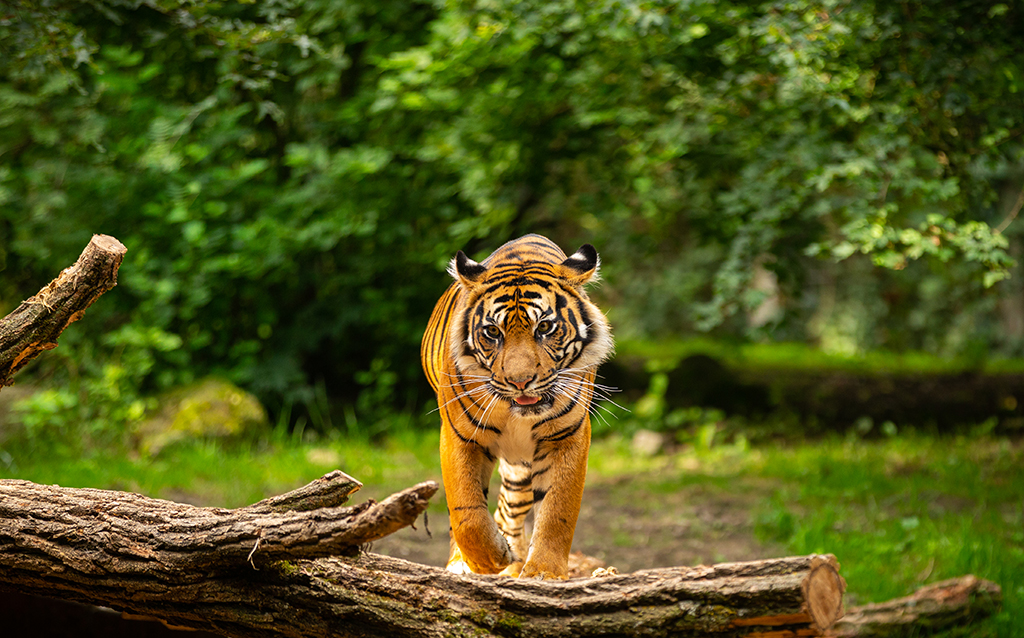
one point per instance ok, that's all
(545, 327)
(492, 331)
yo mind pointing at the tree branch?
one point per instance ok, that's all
(958, 601)
(33, 327)
(88, 532)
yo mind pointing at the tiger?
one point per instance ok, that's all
(511, 351)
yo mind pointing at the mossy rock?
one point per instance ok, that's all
(211, 409)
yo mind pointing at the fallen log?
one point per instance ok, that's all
(33, 327)
(948, 603)
(84, 532)
(251, 572)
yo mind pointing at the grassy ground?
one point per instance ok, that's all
(898, 512)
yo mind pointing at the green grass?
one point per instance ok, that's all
(907, 511)
(236, 475)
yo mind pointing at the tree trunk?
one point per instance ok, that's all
(33, 327)
(247, 572)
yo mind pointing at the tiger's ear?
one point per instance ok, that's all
(465, 270)
(581, 266)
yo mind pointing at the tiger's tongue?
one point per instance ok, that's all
(527, 400)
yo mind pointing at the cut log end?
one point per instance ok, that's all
(823, 591)
(108, 244)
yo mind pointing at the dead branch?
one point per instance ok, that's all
(33, 327)
(949, 603)
(120, 534)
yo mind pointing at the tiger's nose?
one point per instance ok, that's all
(522, 384)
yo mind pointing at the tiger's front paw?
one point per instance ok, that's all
(544, 570)
(542, 575)
(482, 549)
(513, 570)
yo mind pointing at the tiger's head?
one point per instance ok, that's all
(526, 328)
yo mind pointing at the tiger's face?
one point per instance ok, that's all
(527, 329)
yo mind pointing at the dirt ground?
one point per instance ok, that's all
(631, 528)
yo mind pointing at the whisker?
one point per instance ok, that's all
(482, 420)
(597, 391)
(461, 395)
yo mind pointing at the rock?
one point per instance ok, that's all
(209, 409)
(648, 442)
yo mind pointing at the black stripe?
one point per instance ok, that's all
(565, 433)
(538, 495)
(571, 316)
(487, 453)
(536, 241)
(520, 483)
(472, 419)
(585, 318)
(443, 325)
(568, 364)
(519, 281)
(519, 504)
(451, 424)
(438, 330)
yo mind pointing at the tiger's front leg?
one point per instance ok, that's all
(556, 513)
(477, 545)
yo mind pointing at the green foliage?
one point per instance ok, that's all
(290, 178)
(96, 398)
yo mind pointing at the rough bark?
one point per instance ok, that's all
(33, 327)
(958, 601)
(84, 532)
(247, 572)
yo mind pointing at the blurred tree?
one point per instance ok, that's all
(290, 177)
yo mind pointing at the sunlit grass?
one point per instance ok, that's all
(207, 473)
(907, 511)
